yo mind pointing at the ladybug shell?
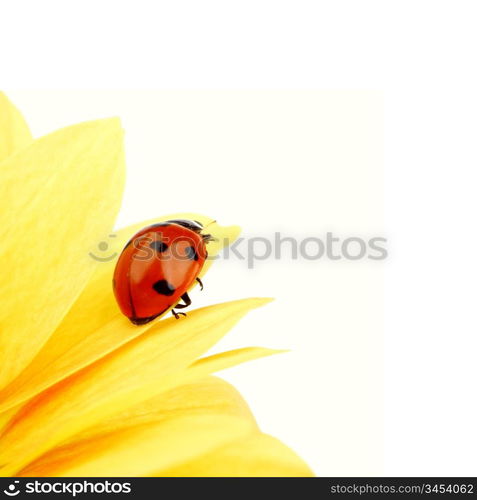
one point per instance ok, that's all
(156, 267)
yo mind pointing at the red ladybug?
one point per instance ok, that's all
(157, 267)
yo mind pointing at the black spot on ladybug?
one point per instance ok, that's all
(191, 253)
(163, 287)
(158, 246)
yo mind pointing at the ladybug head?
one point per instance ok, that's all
(193, 225)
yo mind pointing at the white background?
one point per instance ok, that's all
(421, 54)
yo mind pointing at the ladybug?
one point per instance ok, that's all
(157, 267)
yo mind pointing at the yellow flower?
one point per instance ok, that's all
(82, 391)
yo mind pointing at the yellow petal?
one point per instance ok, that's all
(94, 325)
(58, 195)
(139, 451)
(14, 132)
(96, 453)
(227, 359)
(129, 375)
(195, 372)
(217, 362)
(256, 455)
(6, 416)
(204, 395)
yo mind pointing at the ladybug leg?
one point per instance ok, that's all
(200, 283)
(187, 302)
(177, 315)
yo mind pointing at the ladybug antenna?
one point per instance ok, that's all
(209, 237)
(210, 223)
